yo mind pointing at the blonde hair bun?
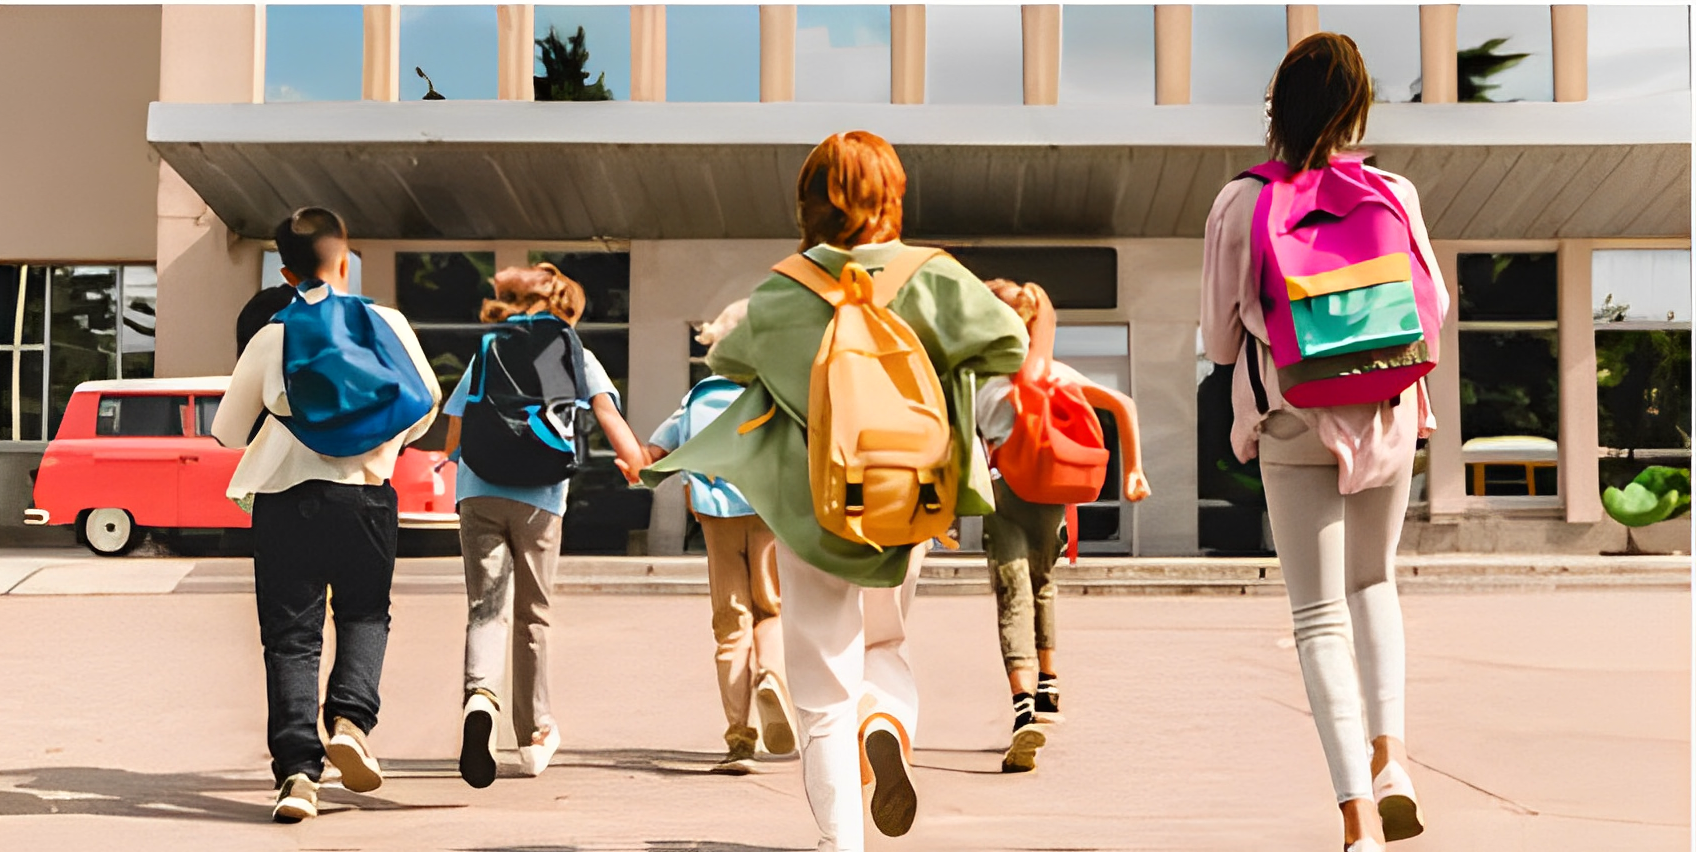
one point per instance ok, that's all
(720, 327)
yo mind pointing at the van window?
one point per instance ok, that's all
(205, 408)
(141, 416)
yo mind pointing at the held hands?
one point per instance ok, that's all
(1136, 486)
(633, 473)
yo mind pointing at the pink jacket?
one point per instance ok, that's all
(1365, 439)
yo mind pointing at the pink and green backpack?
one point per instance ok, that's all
(1351, 311)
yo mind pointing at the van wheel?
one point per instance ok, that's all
(110, 532)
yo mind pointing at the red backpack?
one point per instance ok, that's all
(1057, 453)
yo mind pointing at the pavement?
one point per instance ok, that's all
(75, 571)
(1538, 722)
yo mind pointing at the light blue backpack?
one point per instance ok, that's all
(705, 402)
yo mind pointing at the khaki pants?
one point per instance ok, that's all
(509, 545)
(742, 582)
(1023, 540)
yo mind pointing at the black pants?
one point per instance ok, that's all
(314, 536)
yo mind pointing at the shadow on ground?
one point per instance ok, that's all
(116, 792)
(652, 846)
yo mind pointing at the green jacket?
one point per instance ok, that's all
(965, 329)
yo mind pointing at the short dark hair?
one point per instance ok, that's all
(1319, 101)
(302, 238)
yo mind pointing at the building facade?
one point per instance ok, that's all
(153, 148)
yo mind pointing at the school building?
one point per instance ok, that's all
(148, 151)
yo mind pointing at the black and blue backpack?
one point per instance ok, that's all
(351, 384)
(521, 409)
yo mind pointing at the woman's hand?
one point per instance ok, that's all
(1136, 486)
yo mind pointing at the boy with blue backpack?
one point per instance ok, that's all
(513, 427)
(342, 386)
(741, 576)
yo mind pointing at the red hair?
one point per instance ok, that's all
(850, 191)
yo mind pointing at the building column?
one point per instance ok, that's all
(1042, 54)
(777, 53)
(515, 35)
(1300, 22)
(207, 54)
(1570, 26)
(1446, 477)
(1438, 67)
(1172, 54)
(906, 54)
(1580, 434)
(381, 75)
(647, 53)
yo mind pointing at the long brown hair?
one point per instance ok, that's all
(1319, 101)
(850, 191)
(518, 291)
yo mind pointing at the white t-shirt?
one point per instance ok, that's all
(995, 412)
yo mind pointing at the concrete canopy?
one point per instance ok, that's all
(466, 170)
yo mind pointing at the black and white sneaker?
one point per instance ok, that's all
(1027, 736)
(1048, 698)
(477, 741)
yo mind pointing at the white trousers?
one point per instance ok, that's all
(1338, 554)
(843, 643)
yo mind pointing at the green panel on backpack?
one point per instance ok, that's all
(1373, 317)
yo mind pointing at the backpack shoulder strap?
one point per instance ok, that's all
(894, 276)
(802, 269)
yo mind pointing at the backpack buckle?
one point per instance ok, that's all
(854, 499)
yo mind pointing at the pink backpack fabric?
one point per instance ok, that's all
(1351, 311)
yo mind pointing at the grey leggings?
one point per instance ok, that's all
(1337, 554)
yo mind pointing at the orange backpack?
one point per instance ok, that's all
(1057, 453)
(880, 452)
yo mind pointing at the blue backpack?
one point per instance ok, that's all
(351, 384)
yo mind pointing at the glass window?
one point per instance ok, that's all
(434, 287)
(8, 428)
(140, 416)
(1509, 374)
(606, 43)
(1638, 285)
(974, 55)
(1388, 37)
(605, 277)
(205, 409)
(712, 54)
(140, 295)
(84, 302)
(455, 47)
(1506, 54)
(1076, 278)
(1638, 50)
(842, 54)
(1235, 51)
(1107, 54)
(1642, 316)
(1231, 502)
(271, 271)
(31, 402)
(314, 53)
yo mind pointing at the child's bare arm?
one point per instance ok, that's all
(1124, 412)
(631, 457)
(453, 435)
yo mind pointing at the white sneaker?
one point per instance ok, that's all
(1398, 807)
(297, 800)
(884, 766)
(348, 751)
(534, 759)
(477, 741)
(1365, 844)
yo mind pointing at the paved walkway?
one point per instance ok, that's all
(1538, 722)
(63, 571)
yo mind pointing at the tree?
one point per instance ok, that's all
(1475, 66)
(565, 79)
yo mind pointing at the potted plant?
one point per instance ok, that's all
(1657, 494)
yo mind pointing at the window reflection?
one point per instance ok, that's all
(712, 54)
(1107, 54)
(456, 48)
(842, 54)
(1509, 374)
(1388, 40)
(974, 55)
(314, 53)
(1506, 54)
(1638, 50)
(1236, 50)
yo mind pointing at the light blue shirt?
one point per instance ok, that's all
(702, 405)
(548, 498)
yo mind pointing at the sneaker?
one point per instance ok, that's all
(1048, 698)
(1398, 807)
(739, 760)
(884, 764)
(773, 701)
(1365, 844)
(297, 799)
(347, 750)
(1027, 736)
(477, 741)
(534, 758)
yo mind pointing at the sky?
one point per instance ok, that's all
(973, 52)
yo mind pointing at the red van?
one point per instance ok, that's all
(135, 454)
